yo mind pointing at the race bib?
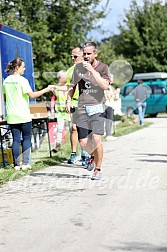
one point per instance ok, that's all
(91, 110)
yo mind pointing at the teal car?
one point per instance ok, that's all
(156, 101)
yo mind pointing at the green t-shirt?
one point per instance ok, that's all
(16, 87)
(76, 94)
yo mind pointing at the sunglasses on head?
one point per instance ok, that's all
(74, 56)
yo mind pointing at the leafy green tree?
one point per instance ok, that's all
(31, 18)
(56, 27)
(107, 51)
(143, 38)
(118, 66)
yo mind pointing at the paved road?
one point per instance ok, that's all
(60, 209)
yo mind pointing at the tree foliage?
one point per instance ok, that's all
(56, 27)
(107, 51)
(143, 38)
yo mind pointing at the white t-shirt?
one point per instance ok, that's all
(110, 101)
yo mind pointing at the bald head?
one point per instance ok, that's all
(77, 51)
(77, 54)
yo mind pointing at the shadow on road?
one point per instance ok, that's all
(57, 175)
(137, 247)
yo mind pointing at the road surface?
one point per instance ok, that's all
(60, 209)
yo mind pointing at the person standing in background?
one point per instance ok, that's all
(58, 107)
(109, 112)
(141, 92)
(117, 102)
(17, 91)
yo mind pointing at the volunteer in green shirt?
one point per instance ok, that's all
(17, 91)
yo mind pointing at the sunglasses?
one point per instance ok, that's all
(74, 56)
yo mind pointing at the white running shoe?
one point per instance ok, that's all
(111, 138)
(96, 175)
(26, 167)
(17, 168)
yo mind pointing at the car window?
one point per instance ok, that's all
(151, 89)
(158, 89)
(128, 90)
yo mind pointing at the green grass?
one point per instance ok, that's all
(40, 158)
(129, 125)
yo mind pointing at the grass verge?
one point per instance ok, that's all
(129, 125)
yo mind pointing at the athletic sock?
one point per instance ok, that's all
(98, 169)
(73, 153)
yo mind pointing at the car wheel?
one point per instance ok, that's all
(153, 115)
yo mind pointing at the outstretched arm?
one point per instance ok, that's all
(37, 94)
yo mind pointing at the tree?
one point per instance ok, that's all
(31, 18)
(56, 26)
(107, 51)
(143, 38)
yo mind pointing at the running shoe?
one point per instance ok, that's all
(111, 138)
(26, 167)
(57, 148)
(73, 159)
(17, 168)
(85, 161)
(90, 164)
(96, 175)
(85, 158)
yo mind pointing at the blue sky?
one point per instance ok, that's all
(116, 13)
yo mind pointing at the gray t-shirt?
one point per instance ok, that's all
(141, 92)
(90, 93)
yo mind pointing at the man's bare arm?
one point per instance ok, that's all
(103, 83)
(70, 94)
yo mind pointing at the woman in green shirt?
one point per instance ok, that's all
(17, 91)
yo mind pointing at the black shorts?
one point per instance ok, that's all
(89, 125)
